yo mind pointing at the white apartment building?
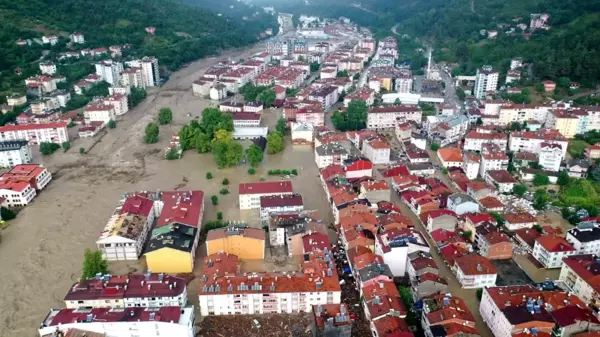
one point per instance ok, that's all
(109, 71)
(16, 193)
(394, 246)
(16, 100)
(302, 133)
(474, 140)
(387, 117)
(280, 203)
(77, 38)
(150, 71)
(36, 133)
(99, 112)
(48, 68)
(250, 193)
(245, 119)
(550, 250)
(526, 141)
(125, 234)
(578, 271)
(327, 96)
(121, 89)
(44, 83)
(125, 291)
(474, 271)
(133, 77)
(585, 238)
(491, 309)
(118, 102)
(404, 83)
(328, 154)
(486, 80)
(14, 152)
(377, 151)
(128, 322)
(492, 158)
(471, 164)
(550, 156)
(51, 39)
(510, 113)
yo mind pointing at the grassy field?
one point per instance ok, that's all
(577, 147)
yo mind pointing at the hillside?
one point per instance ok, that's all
(109, 22)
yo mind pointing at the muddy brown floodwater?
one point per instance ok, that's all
(41, 251)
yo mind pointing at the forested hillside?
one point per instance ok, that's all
(184, 32)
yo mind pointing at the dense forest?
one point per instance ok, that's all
(571, 48)
(184, 32)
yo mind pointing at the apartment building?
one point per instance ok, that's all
(239, 240)
(567, 122)
(224, 291)
(474, 271)
(99, 112)
(492, 243)
(36, 133)
(329, 154)
(550, 250)
(118, 102)
(312, 116)
(474, 140)
(48, 68)
(16, 100)
(471, 164)
(109, 71)
(132, 77)
(580, 273)
(526, 141)
(501, 179)
(486, 80)
(250, 193)
(279, 204)
(20, 185)
(387, 117)
(125, 291)
(550, 156)
(493, 157)
(14, 152)
(515, 221)
(521, 113)
(331, 319)
(246, 119)
(326, 95)
(394, 246)
(127, 322)
(126, 231)
(377, 151)
(77, 37)
(150, 71)
(585, 238)
(447, 315)
(450, 157)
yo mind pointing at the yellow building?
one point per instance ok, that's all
(246, 243)
(385, 82)
(172, 249)
(566, 122)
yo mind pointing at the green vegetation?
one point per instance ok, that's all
(7, 214)
(444, 171)
(79, 101)
(172, 154)
(251, 171)
(151, 133)
(314, 67)
(498, 217)
(275, 143)
(538, 228)
(227, 153)
(579, 192)
(212, 225)
(541, 180)
(225, 181)
(253, 93)
(111, 124)
(48, 148)
(354, 118)
(563, 178)
(93, 263)
(224, 191)
(137, 95)
(66, 146)
(343, 73)
(209, 175)
(576, 148)
(434, 146)
(540, 199)
(267, 97)
(519, 190)
(219, 215)
(165, 116)
(215, 200)
(460, 93)
(81, 150)
(278, 172)
(406, 295)
(281, 126)
(254, 155)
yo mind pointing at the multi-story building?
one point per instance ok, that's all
(474, 271)
(550, 250)
(20, 185)
(567, 122)
(471, 164)
(580, 273)
(150, 72)
(132, 77)
(445, 315)
(331, 320)
(450, 157)
(501, 179)
(365, 94)
(377, 151)
(109, 71)
(493, 157)
(312, 116)
(329, 154)
(239, 240)
(280, 203)
(14, 152)
(486, 80)
(394, 246)
(77, 37)
(40, 84)
(126, 231)
(224, 291)
(16, 100)
(250, 193)
(550, 156)
(36, 133)
(326, 95)
(404, 83)
(388, 117)
(118, 102)
(124, 291)
(585, 238)
(99, 112)
(492, 243)
(474, 140)
(127, 322)
(48, 68)
(526, 141)
(246, 119)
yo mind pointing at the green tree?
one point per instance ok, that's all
(224, 191)
(93, 263)
(112, 124)
(251, 171)
(151, 133)
(444, 171)
(254, 155)
(225, 181)
(215, 200)
(338, 119)
(515, 126)
(172, 154)
(343, 73)
(314, 66)
(541, 180)
(593, 210)
(434, 146)
(538, 228)
(356, 76)
(563, 178)
(479, 294)
(460, 93)
(219, 215)
(82, 150)
(227, 153)
(165, 116)
(267, 97)
(137, 95)
(479, 121)
(281, 126)
(498, 217)
(540, 200)
(202, 142)
(540, 87)
(48, 148)
(7, 214)
(275, 142)
(66, 146)
(209, 175)
(519, 190)
(354, 118)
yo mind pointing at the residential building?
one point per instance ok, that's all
(591, 152)
(253, 107)
(223, 289)
(331, 320)
(568, 122)
(578, 168)
(245, 119)
(550, 250)
(16, 100)
(461, 203)
(14, 152)
(474, 140)
(99, 112)
(550, 156)
(244, 242)
(486, 80)
(77, 37)
(526, 141)
(48, 68)
(51, 39)
(440, 219)
(176, 234)
(278, 204)
(16, 190)
(329, 154)
(302, 133)
(124, 291)
(118, 102)
(375, 191)
(150, 71)
(492, 243)
(133, 77)
(450, 157)
(326, 95)
(474, 271)
(491, 204)
(125, 234)
(127, 322)
(36, 133)
(471, 165)
(423, 276)
(394, 246)
(109, 71)
(251, 193)
(377, 151)
(218, 92)
(445, 315)
(585, 238)
(312, 116)
(580, 273)
(501, 179)
(474, 220)
(358, 167)
(516, 221)
(492, 158)
(387, 117)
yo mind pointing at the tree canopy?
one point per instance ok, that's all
(151, 133)
(275, 142)
(254, 154)
(354, 118)
(165, 116)
(93, 263)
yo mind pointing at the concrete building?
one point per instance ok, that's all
(326, 95)
(550, 250)
(14, 152)
(150, 71)
(77, 37)
(48, 68)
(387, 117)
(492, 243)
(461, 203)
(447, 315)
(501, 179)
(585, 238)
(99, 112)
(218, 92)
(474, 140)
(302, 133)
(246, 243)
(526, 141)
(36, 133)
(20, 185)
(128, 322)
(486, 80)
(126, 232)
(16, 100)
(471, 165)
(580, 273)
(246, 119)
(278, 204)
(109, 71)
(329, 154)
(330, 320)
(515, 221)
(377, 151)
(493, 157)
(450, 157)
(550, 156)
(474, 271)
(125, 291)
(250, 193)
(133, 77)
(394, 246)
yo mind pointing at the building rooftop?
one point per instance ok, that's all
(246, 232)
(554, 244)
(108, 315)
(461, 198)
(541, 134)
(475, 265)
(281, 200)
(271, 187)
(519, 218)
(450, 155)
(316, 242)
(336, 314)
(11, 145)
(25, 127)
(330, 149)
(501, 176)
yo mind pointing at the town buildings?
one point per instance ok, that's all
(22, 183)
(502, 179)
(36, 133)
(447, 315)
(580, 273)
(98, 111)
(526, 141)
(251, 193)
(486, 80)
(244, 242)
(450, 157)
(474, 271)
(492, 243)
(585, 238)
(474, 140)
(550, 250)
(246, 119)
(329, 154)
(278, 204)
(377, 151)
(395, 245)
(331, 320)
(461, 203)
(14, 152)
(493, 157)
(77, 37)
(48, 68)
(109, 71)
(150, 72)
(550, 156)
(387, 117)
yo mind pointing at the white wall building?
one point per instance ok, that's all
(150, 71)
(576, 272)
(492, 158)
(99, 112)
(14, 152)
(525, 141)
(246, 119)
(36, 133)
(328, 154)
(387, 117)
(486, 80)
(48, 68)
(550, 156)
(550, 250)
(77, 38)
(474, 140)
(302, 133)
(109, 71)
(377, 151)
(118, 102)
(585, 238)
(16, 193)
(475, 271)
(394, 246)
(280, 203)
(250, 193)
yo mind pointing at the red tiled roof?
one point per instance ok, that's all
(281, 200)
(108, 315)
(570, 315)
(332, 171)
(316, 242)
(184, 207)
(24, 127)
(475, 265)
(450, 154)
(266, 187)
(501, 176)
(522, 217)
(490, 202)
(476, 218)
(137, 205)
(390, 324)
(554, 244)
